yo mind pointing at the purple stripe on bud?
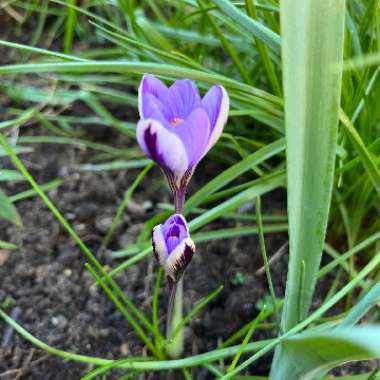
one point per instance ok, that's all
(184, 259)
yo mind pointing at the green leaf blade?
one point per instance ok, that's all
(312, 93)
(311, 355)
(312, 54)
(270, 38)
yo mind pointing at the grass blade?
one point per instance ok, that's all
(262, 315)
(263, 51)
(263, 185)
(230, 49)
(69, 28)
(367, 159)
(31, 192)
(35, 50)
(195, 310)
(124, 311)
(10, 175)
(263, 252)
(6, 245)
(84, 248)
(366, 303)
(8, 211)
(134, 363)
(270, 38)
(127, 196)
(234, 171)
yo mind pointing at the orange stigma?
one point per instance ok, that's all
(176, 121)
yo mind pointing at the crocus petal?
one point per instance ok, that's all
(183, 98)
(177, 128)
(175, 229)
(154, 109)
(163, 147)
(194, 133)
(159, 245)
(179, 259)
(179, 219)
(173, 246)
(216, 103)
(153, 86)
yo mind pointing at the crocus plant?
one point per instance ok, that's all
(176, 129)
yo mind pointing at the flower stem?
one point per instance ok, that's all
(174, 346)
(179, 200)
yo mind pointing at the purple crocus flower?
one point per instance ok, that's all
(173, 246)
(177, 128)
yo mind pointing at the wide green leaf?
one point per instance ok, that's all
(312, 54)
(309, 356)
(312, 34)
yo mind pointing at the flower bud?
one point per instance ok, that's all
(173, 246)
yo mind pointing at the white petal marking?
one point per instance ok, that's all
(168, 145)
(140, 100)
(176, 263)
(159, 245)
(221, 120)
